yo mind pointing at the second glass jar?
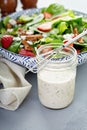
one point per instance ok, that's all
(29, 4)
(8, 6)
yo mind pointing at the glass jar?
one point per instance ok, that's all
(56, 80)
(29, 4)
(7, 6)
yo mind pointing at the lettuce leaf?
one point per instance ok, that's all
(54, 9)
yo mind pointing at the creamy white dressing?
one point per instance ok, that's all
(56, 88)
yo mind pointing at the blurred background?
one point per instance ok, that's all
(73, 4)
(9, 6)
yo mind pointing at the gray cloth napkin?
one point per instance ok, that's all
(16, 87)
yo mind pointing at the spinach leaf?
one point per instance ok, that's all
(62, 27)
(6, 20)
(14, 47)
(54, 9)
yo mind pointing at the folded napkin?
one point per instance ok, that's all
(15, 87)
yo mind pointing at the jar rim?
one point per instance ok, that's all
(71, 53)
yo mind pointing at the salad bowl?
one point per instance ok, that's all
(27, 61)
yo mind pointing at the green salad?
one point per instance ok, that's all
(54, 24)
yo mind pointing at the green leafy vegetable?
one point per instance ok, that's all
(25, 18)
(62, 27)
(54, 9)
(14, 47)
(6, 20)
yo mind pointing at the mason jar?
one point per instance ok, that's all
(8, 6)
(29, 4)
(56, 80)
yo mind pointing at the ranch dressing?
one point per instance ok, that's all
(56, 82)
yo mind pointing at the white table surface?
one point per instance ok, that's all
(31, 115)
